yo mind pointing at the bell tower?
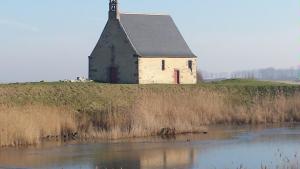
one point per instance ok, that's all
(113, 9)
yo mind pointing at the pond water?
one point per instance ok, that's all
(222, 148)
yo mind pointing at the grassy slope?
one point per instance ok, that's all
(30, 111)
(83, 95)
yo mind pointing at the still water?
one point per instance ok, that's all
(222, 148)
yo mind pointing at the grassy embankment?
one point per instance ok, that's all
(32, 111)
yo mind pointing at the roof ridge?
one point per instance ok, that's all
(132, 13)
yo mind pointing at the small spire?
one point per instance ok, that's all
(113, 9)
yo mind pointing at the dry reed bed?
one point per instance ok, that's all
(134, 112)
(28, 124)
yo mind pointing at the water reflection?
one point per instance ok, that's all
(87, 156)
(150, 159)
(168, 159)
(217, 150)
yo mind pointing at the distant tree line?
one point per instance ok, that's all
(260, 74)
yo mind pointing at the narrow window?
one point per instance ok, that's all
(163, 65)
(190, 64)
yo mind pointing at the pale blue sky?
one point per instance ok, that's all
(51, 39)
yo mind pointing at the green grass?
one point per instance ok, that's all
(253, 87)
(76, 95)
(248, 82)
(88, 95)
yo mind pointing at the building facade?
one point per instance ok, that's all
(141, 49)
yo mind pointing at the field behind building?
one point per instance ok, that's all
(32, 112)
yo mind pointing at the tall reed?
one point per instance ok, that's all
(28, 124)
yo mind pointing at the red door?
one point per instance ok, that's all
(177, 76)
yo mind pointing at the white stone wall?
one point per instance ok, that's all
(150, 70)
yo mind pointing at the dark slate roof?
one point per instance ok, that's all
(155, 35)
